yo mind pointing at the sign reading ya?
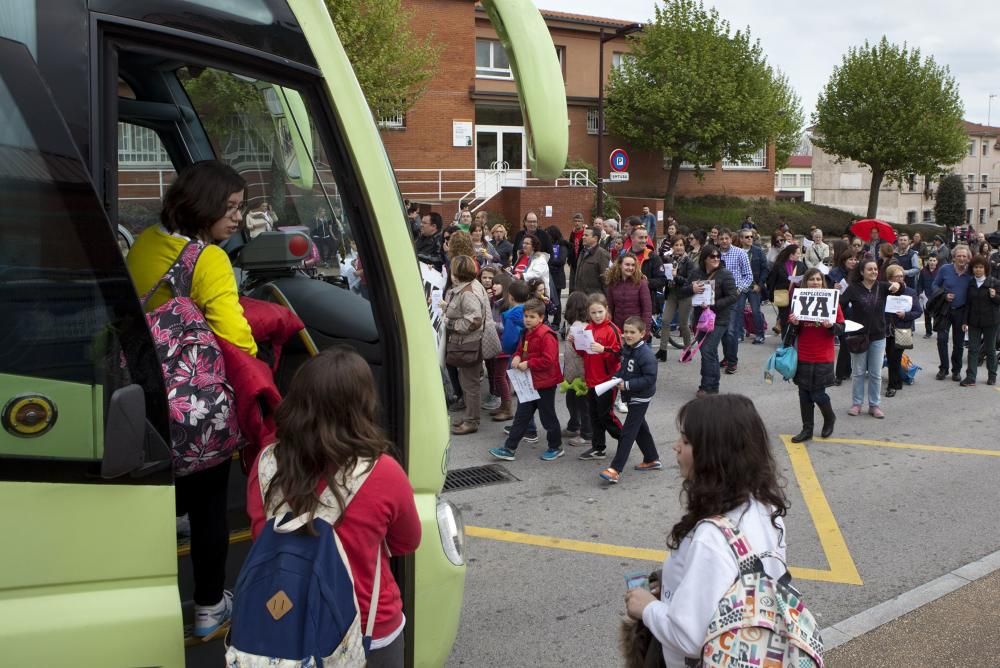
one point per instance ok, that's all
(815, 304)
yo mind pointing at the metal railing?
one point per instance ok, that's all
(457, 184)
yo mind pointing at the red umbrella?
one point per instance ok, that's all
(863, 229)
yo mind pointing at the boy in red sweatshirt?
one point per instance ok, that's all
(538, 352)
(600, 363)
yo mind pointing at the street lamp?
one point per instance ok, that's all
(621, 32)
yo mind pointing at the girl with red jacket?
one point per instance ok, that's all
(326, 427)
(600, 363)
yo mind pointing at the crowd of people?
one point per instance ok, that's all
(711, 287)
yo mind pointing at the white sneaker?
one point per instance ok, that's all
(490, 402)
(620, 405)
(210, 620)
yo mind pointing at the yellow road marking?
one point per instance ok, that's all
(567, 544)
(842, 567)
(910, 446)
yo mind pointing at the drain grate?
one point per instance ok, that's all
(477, 476)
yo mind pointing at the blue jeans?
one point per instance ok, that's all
(734, 332)
(710, 360)
(867, 365)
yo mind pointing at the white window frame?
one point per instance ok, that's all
(789, 180)
(911, 183)
(986, 147)
(968, 216)
(927, 213)
(984, 181)
(618, 57)
(777, 180)
(972, 148)
(491, 72)
(911, 217)
(593, 119)
(982, 216)
(757, 161)
(971, 179)
(139, 146)
(806, 180)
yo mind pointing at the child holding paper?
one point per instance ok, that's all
(578, 429)
(637, 378)
(537, 352)
(599, 364)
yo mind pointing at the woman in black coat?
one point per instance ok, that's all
(982, 319)
(557, 271)
(788, 264)
(711, 268)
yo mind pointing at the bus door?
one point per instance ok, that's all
(87, 574)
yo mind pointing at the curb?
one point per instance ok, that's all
(887, 611)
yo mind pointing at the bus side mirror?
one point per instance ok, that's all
(126, 432)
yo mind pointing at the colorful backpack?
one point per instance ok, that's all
(203, 427)
(294, 604)
(760, 621)
(706, 323)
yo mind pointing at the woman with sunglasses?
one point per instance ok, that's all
(711, 269)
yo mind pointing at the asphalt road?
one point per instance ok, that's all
(870, 520)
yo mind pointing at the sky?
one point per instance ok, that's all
(806, 39)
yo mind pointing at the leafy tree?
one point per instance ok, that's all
(890, 109)
(949, 205)
(393, 64)
(698, 93)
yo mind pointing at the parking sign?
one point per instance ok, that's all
(619, 160)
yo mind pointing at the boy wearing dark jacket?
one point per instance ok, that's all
(637, 379)
(538, 352)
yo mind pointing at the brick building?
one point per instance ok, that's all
(464, 139)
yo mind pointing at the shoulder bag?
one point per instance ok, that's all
(859, 341)
(903, 338)
(782, 298)
(465, 353)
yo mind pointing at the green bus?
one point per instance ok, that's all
(89, 568)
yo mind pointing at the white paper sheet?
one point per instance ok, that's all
(706, 298)
(794, 280)
(842, 286)
(521, 382)
(583, 339)
(607, 386)
(668, 271)
(823, 269)
(894, 303)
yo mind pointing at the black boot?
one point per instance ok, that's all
(806, 407)
(828, 419)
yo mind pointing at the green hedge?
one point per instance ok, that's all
(704, 212)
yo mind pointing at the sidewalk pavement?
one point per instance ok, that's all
(957, 629)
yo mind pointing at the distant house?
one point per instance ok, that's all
(794, 182)
(845, 186)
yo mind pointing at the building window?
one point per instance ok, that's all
(593, 120)
(982, 216)
(986, 147)
(911, 183)
(972, 181)
(788, 180)
(911, 217)
(985, 181)
(972, 147)
(756, 161)
(806, 180)
(396, 121)
(777, 180)
(618, 58)
(968, 216)
(139, 146)
(927, 215)
(491, 60)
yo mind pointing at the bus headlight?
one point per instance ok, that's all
(452, 530)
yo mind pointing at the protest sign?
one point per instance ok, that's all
(521, 382)
(815, 304)
(897, 303)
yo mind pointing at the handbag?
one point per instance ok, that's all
(491, 340)
(782, 298)
(903, 338)
(638, 645)
(464, 354)
(857, 342)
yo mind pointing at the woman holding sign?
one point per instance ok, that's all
(901, 324)
(814, 373)
(864, 303)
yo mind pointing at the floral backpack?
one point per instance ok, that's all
(760, 621)
(203, 427)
